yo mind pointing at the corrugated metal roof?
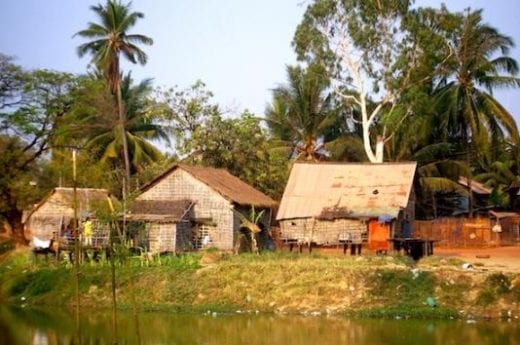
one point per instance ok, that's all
(346, 190)
(476, 187)
(229, 186)
(500, 215)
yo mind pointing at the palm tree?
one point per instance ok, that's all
(468, 114)
(109, 39)
(468, 111)
(104, 140)
(301, 112)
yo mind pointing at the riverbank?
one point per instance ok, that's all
(386, 286)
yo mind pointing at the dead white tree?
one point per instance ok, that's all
(370, 56)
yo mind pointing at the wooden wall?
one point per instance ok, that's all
(456, 232)
(161, 237)
(180, 185)
(320, 232)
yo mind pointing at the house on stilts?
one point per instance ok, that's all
(325, 203)
(53, 215)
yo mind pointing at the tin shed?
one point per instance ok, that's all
(324, 202)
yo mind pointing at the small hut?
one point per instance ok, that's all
(215, 196)
(324, 203)
(51, 216)
(166, 224)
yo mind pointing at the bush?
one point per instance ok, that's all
(399, 286)
(498, 282)
(486, 297)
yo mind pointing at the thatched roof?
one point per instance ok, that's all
(63, 197)
(346, 190)
(221, 181)
(160, 211)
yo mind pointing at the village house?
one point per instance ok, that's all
(479, 196)
(189, 208)
(51, 217)
(325, 203)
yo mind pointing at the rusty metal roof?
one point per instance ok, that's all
(500, 215)
(346, 190)
(476, 187)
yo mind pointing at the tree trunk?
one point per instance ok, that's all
(122, 126)
(14, 221)
(380, 146)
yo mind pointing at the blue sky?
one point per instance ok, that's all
(239, 48)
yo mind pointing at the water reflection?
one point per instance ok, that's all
(57, 327)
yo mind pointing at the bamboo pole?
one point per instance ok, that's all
(76, 244)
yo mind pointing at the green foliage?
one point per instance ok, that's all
(466, 108)
(495, 286)
(178, 263)
(37, 283)
(406, 311)
(32, 110)
(111, 38)
(499, 282)
(184, 111)
(402, 287)
(486, 297)
(239, 145)
(95, 119)
(301, 113)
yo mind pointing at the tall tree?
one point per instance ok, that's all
(374, 52)
(93, 118)
(184, 110)
(110, 39)
(468, 112)
(32, 111)
(241, 146)
(302, 112)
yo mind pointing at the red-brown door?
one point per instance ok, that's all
(378, 235)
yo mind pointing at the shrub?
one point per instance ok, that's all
(499, 282)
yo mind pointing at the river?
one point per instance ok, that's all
(22, 326)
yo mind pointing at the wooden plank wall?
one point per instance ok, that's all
(457, 232)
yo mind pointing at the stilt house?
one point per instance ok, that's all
(323, 203)
(51, 216)
(209, 199)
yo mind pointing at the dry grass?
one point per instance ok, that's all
(274, 282)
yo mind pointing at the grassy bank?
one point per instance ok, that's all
(275, 282)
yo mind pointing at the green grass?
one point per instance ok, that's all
(408, 312)
(371, 286)
(398, 286)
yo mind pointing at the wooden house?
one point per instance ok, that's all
(211, 199)
(324, 203)
(479, 196)
(167, 224)
(51, 216)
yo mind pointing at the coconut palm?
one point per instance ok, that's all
(104, 140)
(301, 112)
(468, 112)
(109, 39)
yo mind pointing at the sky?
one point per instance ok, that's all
(239, 48)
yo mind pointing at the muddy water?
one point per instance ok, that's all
(56, 327)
